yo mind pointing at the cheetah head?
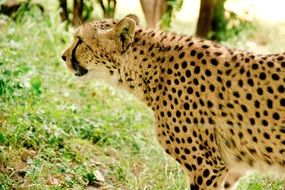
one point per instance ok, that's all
(97, 47)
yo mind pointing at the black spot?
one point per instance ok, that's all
(189, 140)
(187, 151)
(200, 55)
(254, 66)
(193, 53)
(282, 102)
(275, 77)
(270, 64)
(178, 113)
(262, 76)
(240, 83)
(194, 187)
(228, 84)
(281, 89)
(197, 70)
(200, 180)
(208, 72)
(269, 104)
(270, 90)
(264, 122)
(205, 46)
(266, 135)
(169, 71)
(248, 96)
(276, 116)
(186, 106)
(189, 90)
(242, 70)
(188, 167)
(227, 185)
(269, 149)
(181, 55)
(252, 121)
(240, 134)
(244, 108)
(257, 104)
(250, 82)
(212, 88)
(206, 173)
(249, 131)
(209, 182)
(236, 94)
(177, 130)
(209, 104)
(184, 64)
(177, 151)
(259, 91)
(199, 160)
(214, 62)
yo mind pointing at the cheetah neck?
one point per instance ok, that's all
(140, 67)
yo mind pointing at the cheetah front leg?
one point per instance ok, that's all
(204, 165)
(231, 180)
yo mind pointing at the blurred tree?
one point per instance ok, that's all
(160, 10)
(153, 11)
(206, 17)
(217, 23)
(77, 17)
(108, 7)
(82, 10)
(77, 12)
(63, 11)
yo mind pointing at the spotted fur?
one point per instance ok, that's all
(219, 112)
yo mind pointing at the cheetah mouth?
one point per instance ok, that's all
(79, 70)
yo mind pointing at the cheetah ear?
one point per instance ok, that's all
(125, 31)
(134, 17)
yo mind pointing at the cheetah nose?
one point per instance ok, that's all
(63, 57)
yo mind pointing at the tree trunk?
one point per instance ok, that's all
(153, 11)
(77, 13)
(206, 17)
(63, 11)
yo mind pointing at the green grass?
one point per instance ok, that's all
(56, 133)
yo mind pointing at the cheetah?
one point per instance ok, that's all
(219, 112)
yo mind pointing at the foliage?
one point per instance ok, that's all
(227, 24)
(172, 7)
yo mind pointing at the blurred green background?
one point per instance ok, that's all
(57, 133)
